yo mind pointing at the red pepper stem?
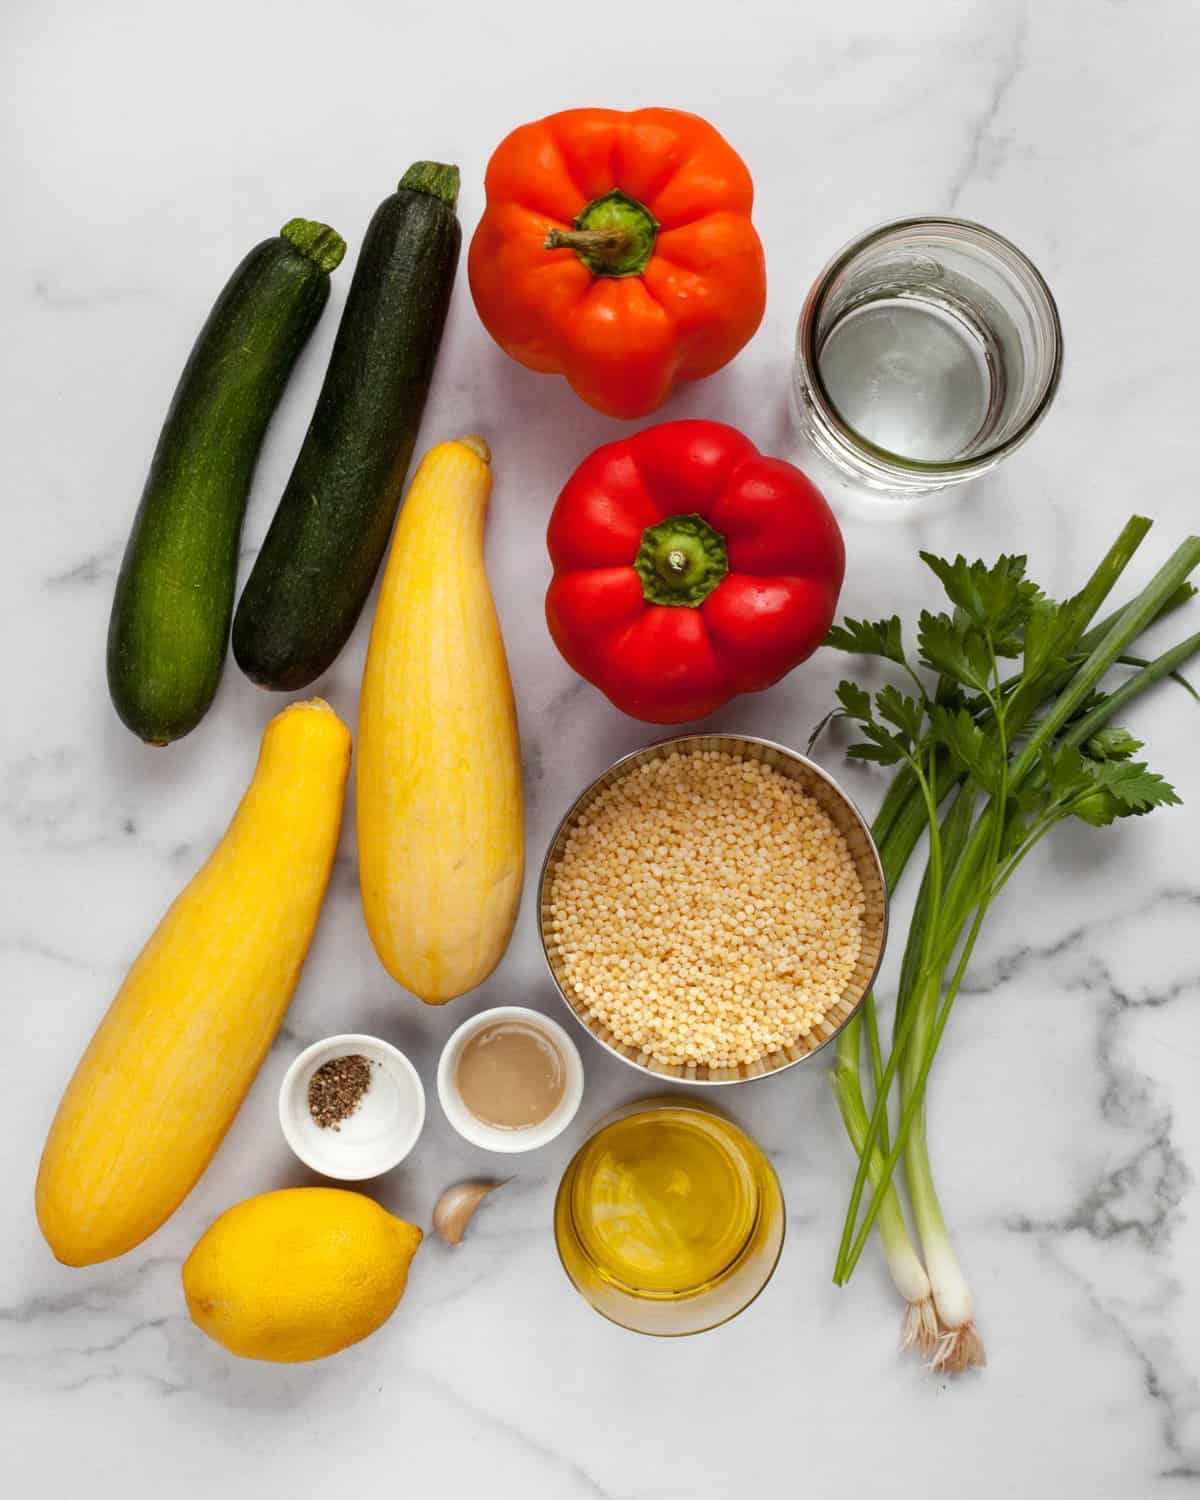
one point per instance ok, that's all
(680, 561)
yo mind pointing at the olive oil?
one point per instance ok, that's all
(669, 1203)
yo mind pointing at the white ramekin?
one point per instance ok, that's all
(523, 1138)
(381, 1131)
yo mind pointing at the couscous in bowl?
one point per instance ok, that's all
(787, 971)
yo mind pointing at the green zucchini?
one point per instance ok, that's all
(170, 618)
(325, 543)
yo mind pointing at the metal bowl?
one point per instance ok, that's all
(845, 817)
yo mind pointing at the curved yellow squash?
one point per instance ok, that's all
(179, 1047)
(440, 839)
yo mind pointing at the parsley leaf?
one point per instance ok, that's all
(855, 701)
(951, 651)
(1066, 772)
(991, 597)
(869, 638)
(907, 714)
(881, 745)
(1014, 834)
(1134, 785)
(1103, 791)
(970, 750)
(1043, 635)
(1113, 743)
(888, 754)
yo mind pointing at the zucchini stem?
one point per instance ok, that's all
(433, 177)
(317, 242)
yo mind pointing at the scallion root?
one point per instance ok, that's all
(921, 1331)
(958, 1350)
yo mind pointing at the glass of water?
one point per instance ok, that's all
(927, 351)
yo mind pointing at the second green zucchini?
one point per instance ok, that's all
(327, 539)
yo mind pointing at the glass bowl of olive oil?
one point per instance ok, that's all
(669, 1220)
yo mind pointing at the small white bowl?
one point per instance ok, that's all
(522, 1138)
(381, 1131)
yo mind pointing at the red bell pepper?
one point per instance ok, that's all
(689, 567)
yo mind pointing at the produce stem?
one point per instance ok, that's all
(607, 244)
(959, 1347)
(613, 236)
(849, 1258)
(317, 242)
(1154, 671)
(478, 446)
(904, 1264)
(680, 561)
(1130, 624)
(436, 178)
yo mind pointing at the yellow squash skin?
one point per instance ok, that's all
(440, 820)
(180, 1045)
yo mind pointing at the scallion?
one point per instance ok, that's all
(1022, 753)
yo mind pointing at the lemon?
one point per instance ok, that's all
(298, 1274)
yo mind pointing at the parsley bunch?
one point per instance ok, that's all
(1000, 730)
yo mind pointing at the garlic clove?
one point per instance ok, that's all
(456, 1207)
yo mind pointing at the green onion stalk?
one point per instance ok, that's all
(971, 858)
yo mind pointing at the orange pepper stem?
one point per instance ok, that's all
(608, 244)
(613, 236)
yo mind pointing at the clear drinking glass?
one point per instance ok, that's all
(669, 1220)
(927, 351)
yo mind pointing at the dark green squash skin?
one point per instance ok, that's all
(169, 626)
(327, 539)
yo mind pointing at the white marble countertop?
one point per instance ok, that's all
(147, 146)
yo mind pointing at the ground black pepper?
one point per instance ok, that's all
(336, 1088)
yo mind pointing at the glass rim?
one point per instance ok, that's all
(885, 457)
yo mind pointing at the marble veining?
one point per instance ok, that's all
(148, 147)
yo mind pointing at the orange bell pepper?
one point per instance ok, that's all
(617, 249)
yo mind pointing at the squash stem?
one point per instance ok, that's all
(478, 446)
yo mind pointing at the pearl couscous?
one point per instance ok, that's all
(706, 910)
